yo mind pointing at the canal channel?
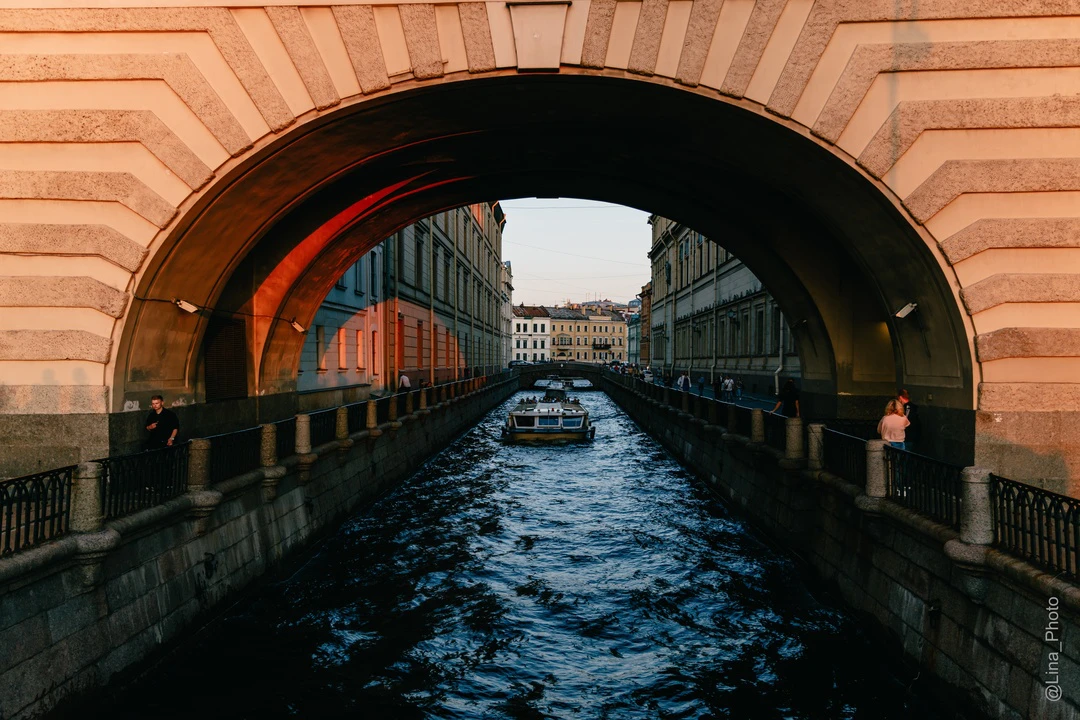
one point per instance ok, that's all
(597, 580)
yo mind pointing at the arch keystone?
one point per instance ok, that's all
(538, 33)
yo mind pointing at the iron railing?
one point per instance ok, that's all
(382, 409)
(134, 482)
(775, 431)
(235, 453)
(923, 484)
(357, 414)
(844, 456)
(323, 426)
(743, 423)
(34, 508)
(1039, 526)
(285, 438)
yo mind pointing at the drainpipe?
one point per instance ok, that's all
(780, 356)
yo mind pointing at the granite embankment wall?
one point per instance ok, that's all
(79, 610)
(989, 633)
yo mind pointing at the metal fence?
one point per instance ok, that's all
(923, 484)
(844, 456)
(323, 426)
(34, 508)
(775, 431)
(1039, 526)
(134, 482)
(743, 423)
(285, 438)
(357, 414)
(234, 453)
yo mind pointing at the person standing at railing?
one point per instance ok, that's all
(684, 382)
(893, 426)
(910, 413)
(162, 425)
(788, 400)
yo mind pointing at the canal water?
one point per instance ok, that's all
(582, 581)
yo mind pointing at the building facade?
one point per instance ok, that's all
(507, 312)
(531, 338)
(633, 340)
(710, 315)
(590, 333)
(428, 302)
(644, 346)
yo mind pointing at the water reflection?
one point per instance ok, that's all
(582, 581)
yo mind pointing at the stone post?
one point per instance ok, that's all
(303, 434)
(268, 445)
(793, 440)
(393, 408)
(87, 515)
(198, 473)
(714, 412)
(666, 396)
(408, 402)
(732, 418)
(423, 398)
(875, 468)
(815, 440)
(757, 425)
(976, 509)
(341, 423)
(372, 415)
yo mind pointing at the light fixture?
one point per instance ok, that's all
(906, 310)
(296, 326)
(185, 305)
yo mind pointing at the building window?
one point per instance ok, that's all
(359, 349)
(374, 352)
(542, 342)
(320, 347)
(543, 327)
(359, 289)
(342, 351)
(419, 343)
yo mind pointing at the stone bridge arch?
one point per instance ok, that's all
(147, 149)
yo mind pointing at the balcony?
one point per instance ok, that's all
(601, 346)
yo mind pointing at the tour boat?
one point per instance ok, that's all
(556, 381)
(551, 417)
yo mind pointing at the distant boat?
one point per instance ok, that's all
(551, 417)
(575, 383)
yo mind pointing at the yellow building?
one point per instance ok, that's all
(584, 333)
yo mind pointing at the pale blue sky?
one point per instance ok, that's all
(580, 250)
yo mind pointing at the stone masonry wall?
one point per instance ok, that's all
(75, 612)
(997, 637)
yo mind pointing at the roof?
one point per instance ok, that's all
(564, 314)
(530, 311)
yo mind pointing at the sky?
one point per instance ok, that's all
(562, 248)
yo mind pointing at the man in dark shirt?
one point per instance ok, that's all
(162, 424)
(789, 399)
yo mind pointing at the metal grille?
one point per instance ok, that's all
(357, 416)
(285, 438)
(234, 453)
(225, 359)
(845, 456)
(382, 409)
(923, 484)
(323, 426)
(1039, 526)
(134, 482)
(34, 508)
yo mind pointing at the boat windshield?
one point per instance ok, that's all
(547, 421)
(572, 422)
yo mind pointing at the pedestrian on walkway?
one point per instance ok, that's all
(729, 389)
(717, 387)
(684, 381)
(892, 428)
(788, 400)
(162, 425)
(738, 388)
(701, 385)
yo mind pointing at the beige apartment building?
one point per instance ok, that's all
(587, 333)
(710, 315)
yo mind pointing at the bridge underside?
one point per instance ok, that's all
(242, 159)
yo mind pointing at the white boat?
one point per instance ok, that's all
(551, 417)
(555, 381)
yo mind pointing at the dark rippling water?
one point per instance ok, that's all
(588, 581)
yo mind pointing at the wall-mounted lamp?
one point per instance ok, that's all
(906, 310)
(185, 305)
(296, 326)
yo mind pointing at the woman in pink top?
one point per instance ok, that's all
(891, 428)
